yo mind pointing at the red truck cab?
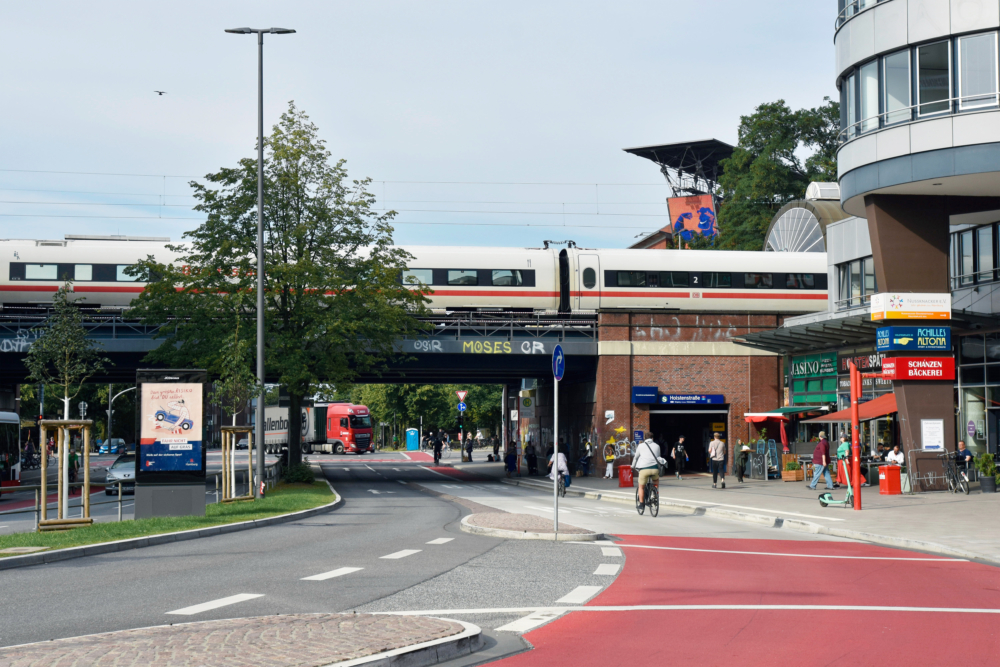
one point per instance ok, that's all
(348, 428)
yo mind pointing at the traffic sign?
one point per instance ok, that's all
(461, 395)
(558, 363)
(461, 407)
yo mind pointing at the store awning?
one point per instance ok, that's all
(880, 407)
(781, 414)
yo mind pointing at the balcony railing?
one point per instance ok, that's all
(986, 102)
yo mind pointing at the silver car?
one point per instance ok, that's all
(122, 470)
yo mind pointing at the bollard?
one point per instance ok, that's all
(38, 509)
(216, 489)
(119, 501)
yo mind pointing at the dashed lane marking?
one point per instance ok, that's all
(614, 552)
(339, 572)
(530, 622)
(402, 554)
(440, 540)
(215, 604)
(607, 569)
(579, 595)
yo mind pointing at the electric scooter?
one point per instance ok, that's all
(826, 498)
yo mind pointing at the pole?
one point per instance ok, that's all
(111, 400)
(855, 435)
(504, 419)
(555, 456)
(260, 257)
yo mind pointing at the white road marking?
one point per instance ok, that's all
(397, 470)
(403, 554)
(437, 473)
(579, 595)
(530, 622)
(611, 551)
(451, 486)
(215, 604)
(406, 455)
(548, 509)
(607, 569)
(896, 559)
(401, 481)
(347, 470)
(440, 540)
(339, 572)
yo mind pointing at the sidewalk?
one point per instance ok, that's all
(941, 522)
(306, 640)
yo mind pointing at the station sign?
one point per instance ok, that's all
(913, 338)
(645, 394)
(918, 368)
(911, 306)
(692, 399)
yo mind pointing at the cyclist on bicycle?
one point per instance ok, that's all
(563, 465)
(437, 445)
(647, 462)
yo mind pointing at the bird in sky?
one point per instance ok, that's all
(160, 92)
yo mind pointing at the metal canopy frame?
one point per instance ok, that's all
(690, 167)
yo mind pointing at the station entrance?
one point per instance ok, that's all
(695, 423)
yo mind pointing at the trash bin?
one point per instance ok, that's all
(888, 481)
(625, 476)
(412, 439)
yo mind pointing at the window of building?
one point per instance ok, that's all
(716, 280)
(896, 68)
(977, 71)
(463, 277)
(869, 96)
(41, 272)
(757, 280)
(83, 272)
(857, 283)
(800, 281)
(631, 278)
(934, 78)
(589, 278)
(418, 277)
(123, 277)
(966, 261)
(984, 254)
(848, 98)
(974, 256)
(506, 278)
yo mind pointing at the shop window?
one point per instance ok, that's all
(896, 70)
(973, 375)
(934, 78)
(456, 277)
(758, 280)
(993, 376)
(418, 277)
(977, 71)
(992, 347)
(631, 278)
(972, 349)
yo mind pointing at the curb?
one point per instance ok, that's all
(45, 557)
(433, 652)
(781, 522)
(524, 535)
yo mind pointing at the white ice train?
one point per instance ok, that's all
(472, 278)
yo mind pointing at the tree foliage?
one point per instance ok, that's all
(437, 404)
(62, 355)
(237, 383)
(334, 304)
(766, 170)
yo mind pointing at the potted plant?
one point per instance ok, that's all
(793, 472)
(987, 468)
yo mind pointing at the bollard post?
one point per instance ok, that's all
(216, 489)
(38, 509)
(86, 473)
(45, 471)
(119, 501)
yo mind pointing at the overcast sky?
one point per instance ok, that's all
(488, 119)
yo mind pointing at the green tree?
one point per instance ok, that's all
(766, 170)
(334, 304)
(237, 383)
(62, 355)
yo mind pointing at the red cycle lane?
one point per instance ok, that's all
(701, 601)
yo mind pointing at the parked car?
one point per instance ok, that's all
(122, 470)
(242, 444)
(112, 446)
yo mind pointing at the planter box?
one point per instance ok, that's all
(793, 475)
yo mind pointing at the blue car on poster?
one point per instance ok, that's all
(172, 419)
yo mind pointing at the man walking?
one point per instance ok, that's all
(679, 456)
(821, 462)
(717, 454)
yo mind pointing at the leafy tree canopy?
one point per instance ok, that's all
(437, 404)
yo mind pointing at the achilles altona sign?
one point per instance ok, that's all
(911, 306)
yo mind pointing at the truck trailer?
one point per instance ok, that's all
(333, 428)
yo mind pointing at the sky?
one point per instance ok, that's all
(481, 123)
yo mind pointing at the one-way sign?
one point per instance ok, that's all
(461, 395)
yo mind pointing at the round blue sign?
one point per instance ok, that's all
(558, 363)
(461, 407)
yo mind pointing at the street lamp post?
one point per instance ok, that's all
(259, 430)
(111, 408)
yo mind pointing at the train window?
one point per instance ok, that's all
(716, 280)
(631, 278)
(589, 278)
(123, 277)
(673, 279)
(800, 281)
(463, 277)
(84, 272)
(757, 280)
(505, 278)
(41, 272)
(418, 277)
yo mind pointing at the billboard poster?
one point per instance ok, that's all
(692, 216)
(911, 306)
(171, 427)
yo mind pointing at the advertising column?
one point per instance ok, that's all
(170, 457)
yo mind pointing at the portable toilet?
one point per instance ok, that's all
(412, 439)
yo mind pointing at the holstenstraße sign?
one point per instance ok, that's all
(911, 306)
(918, 368)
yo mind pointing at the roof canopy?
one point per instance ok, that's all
(695, 163)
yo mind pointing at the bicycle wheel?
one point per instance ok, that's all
(653, 500)
(639, 507)
(562, 486)
(950, 477)
(963, 484)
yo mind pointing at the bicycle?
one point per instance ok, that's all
(652, 499)
(561, 486)
(956, 480)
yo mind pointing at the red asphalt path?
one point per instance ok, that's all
(772, 637)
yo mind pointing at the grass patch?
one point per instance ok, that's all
(283, 499)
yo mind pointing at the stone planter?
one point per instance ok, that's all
(988, 484)
(793, 475)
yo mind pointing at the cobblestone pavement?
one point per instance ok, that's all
(306, 640)
(521, 522)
